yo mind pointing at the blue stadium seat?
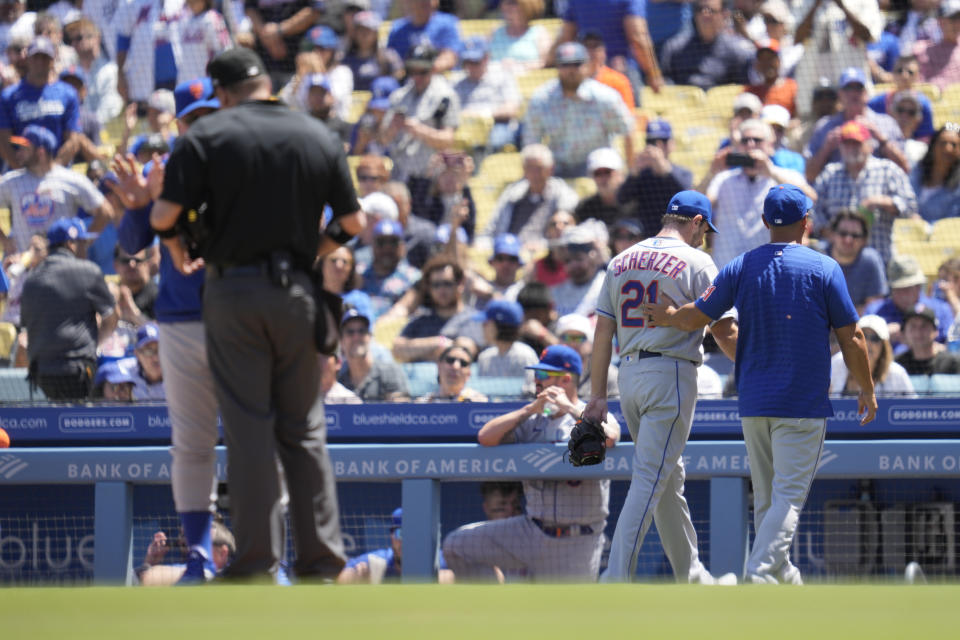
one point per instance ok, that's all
(945, 384)
(15, 388)
(495, 387)
(422, 377)
(921, 384)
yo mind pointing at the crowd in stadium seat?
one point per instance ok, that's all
(505, 151)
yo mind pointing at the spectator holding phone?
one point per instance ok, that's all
(737, 183)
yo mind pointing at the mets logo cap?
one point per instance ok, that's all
(691, 204)
(785, 204)
(559, 357)
(194, 94)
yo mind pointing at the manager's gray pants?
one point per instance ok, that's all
(264, 363)
(783, 455)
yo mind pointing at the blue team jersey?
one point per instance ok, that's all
(393, 571)
(605, 17)
(54, 106)
(442, 30)
(788, 298)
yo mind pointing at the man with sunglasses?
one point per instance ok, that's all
(658, 382)
(373, 379)
(605, 167)
(389, 275)
(906, 74)
(560, 536)
(138, 291)
(862, 266)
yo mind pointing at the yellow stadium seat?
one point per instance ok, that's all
(585, 187)
(948, 108)
(5, 221)
(672, 98)
(8, 338)
(473, 132)
(532, 80)
(552, 25)
(929, 255)
(480, 261)
(485, 195)
(695, 160)
(80, 167)
(910, 230)
(721, 97)
(502, 168)
(386, 330)
(946, 230)
(932, 91)
(482, 28)
(358, 104)
(384, 32)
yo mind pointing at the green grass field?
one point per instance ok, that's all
(490, 612)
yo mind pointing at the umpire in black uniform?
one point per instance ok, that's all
(265, 173)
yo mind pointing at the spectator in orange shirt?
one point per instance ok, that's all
(599, 71)
(770, 87)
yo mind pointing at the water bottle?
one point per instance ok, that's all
(550, 409)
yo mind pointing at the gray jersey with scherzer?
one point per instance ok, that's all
(561, 501)
(646, 272)
(35, 202)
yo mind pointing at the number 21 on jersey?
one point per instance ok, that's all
(634, 292)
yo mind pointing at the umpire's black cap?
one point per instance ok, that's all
(235, 65)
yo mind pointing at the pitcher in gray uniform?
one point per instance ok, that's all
(560, 537)
(658, 382)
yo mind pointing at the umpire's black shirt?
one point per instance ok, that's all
(266, 173)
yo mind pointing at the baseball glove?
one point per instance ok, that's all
(588, 443)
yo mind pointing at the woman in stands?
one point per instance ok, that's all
(518, 44)
(889, 378)
(339, 271)
(936, 178)
(453, 372)
(365, 58)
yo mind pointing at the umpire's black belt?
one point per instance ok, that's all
(241, 270)
(563, 531)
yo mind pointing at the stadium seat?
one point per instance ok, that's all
(473, 132)
(932, 91)
(358, 105)
(921, 384)
(721, 97)
(585, 187)
(5, 221)
(501, 168)
(422, 377)
(946, 230)
(948, 108)
(671, 99)
(910, 230)
(929, 255)
(552, 25)
(947, 384)
(8, 338)
(532, 80)
(497, 387)
(386, 330)
(15, 388)
(482, 28)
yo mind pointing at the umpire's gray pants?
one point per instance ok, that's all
(783, 456)
(192, 405)
(264, 363)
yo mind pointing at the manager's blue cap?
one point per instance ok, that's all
(785, 204)
(691, 204)
(559, 357)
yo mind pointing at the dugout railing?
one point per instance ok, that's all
(420, 470)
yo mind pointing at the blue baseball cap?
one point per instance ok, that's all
(442, 235)
(318, 80)
(785, 204)
(360, 301)
(350, 314)
(103, 184)
(507, 244)
(33, 135)
(113, 372)
(474, 49)
(851, 75)
(659, 130)
(146, 334)
(396, 520)
(323, 37)
(559, 357)
(67, 229)
(690, 204)
(73, 71)
(505, 312)
(388, 228)
(194, 94)
(381, 88)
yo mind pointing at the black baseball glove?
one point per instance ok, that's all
(588, 443)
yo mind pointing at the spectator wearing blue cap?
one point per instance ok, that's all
(834, 36)
(507, 262)
(424, 24)
(114, 382)
(321, 54)
(43, 191)
(149, 373)
(506, 355)
(789, 299)
(203, 34)
(560, 535)
(363, 55)
(36, 100)
(66, 310)
(389, 275)
(654, 179)
(319, 102)
(365, 137)
(824, 144)
(708, 54)
(102, 98)
(373, 379)
(576, 113)
(488, 93)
